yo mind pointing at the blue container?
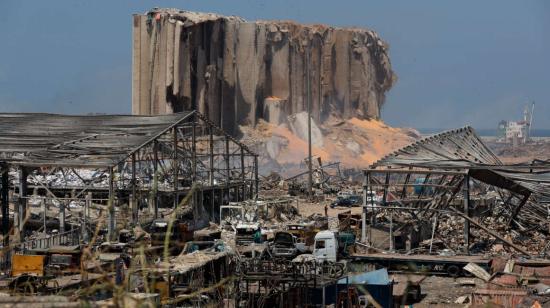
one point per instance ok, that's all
(376, 283)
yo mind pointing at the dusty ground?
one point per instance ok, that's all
(440, 291)
(308, 208)
(538, 149)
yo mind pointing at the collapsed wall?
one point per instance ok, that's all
(237, 72)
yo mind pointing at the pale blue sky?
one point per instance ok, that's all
(458, 62)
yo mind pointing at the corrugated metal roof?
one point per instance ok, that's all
(454, 149)
(462, 150)
(67, 140)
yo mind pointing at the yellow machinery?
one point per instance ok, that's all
(27, 274)
(27, 264)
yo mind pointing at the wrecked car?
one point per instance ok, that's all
(285, 245)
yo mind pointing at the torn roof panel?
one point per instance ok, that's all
(454, 149)
(35, 139)
(462, 149)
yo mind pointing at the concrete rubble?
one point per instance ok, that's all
(214, 244)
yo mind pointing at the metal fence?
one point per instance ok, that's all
(65, 239)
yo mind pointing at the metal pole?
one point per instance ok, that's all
(391, 232)
(194, 149)
(227, 166)
(82, 226)
(87, 205)
(364, 211)
(111, 224)
(386, 188)
(194, 158)
(243, 177)
(62, 215)
(256, 178)
(133, 202)
(22, 210)
(155, 178)
(308, 88)
(433, 233)
(44, 214)
(466, 213)
(211, 158)
(176, 161)
(5, 207)
(371, 192)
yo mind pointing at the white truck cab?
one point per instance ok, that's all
(326, 246)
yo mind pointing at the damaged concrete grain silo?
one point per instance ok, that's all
(237, 72)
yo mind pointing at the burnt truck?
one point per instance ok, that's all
(286, 245)
(245, 233)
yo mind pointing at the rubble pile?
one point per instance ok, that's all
(282, 211)
(271, 181)
(451, 230)
(354, 143)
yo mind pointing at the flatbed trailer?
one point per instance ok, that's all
(421, 264)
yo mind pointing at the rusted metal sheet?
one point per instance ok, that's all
(532, 271)
(505, 297)
(506, 280)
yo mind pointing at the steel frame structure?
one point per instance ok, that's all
(154, 163)
(441, 170)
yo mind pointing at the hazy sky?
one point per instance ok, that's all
(458, 62)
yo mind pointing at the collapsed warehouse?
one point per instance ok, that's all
(107, 183)
(130, 162)
(168, 207)
(454, 172)
(90, 179)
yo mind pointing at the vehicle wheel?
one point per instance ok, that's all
(453, 270)
(24, 288)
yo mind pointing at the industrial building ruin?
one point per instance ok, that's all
(182, 204)
(441, 173)
(89, 180)
(236, 71)
(125, 166)
(169, 210)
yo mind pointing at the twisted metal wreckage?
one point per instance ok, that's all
(442, 167)
(120, 163)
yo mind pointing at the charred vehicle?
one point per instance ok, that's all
(283, 245)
